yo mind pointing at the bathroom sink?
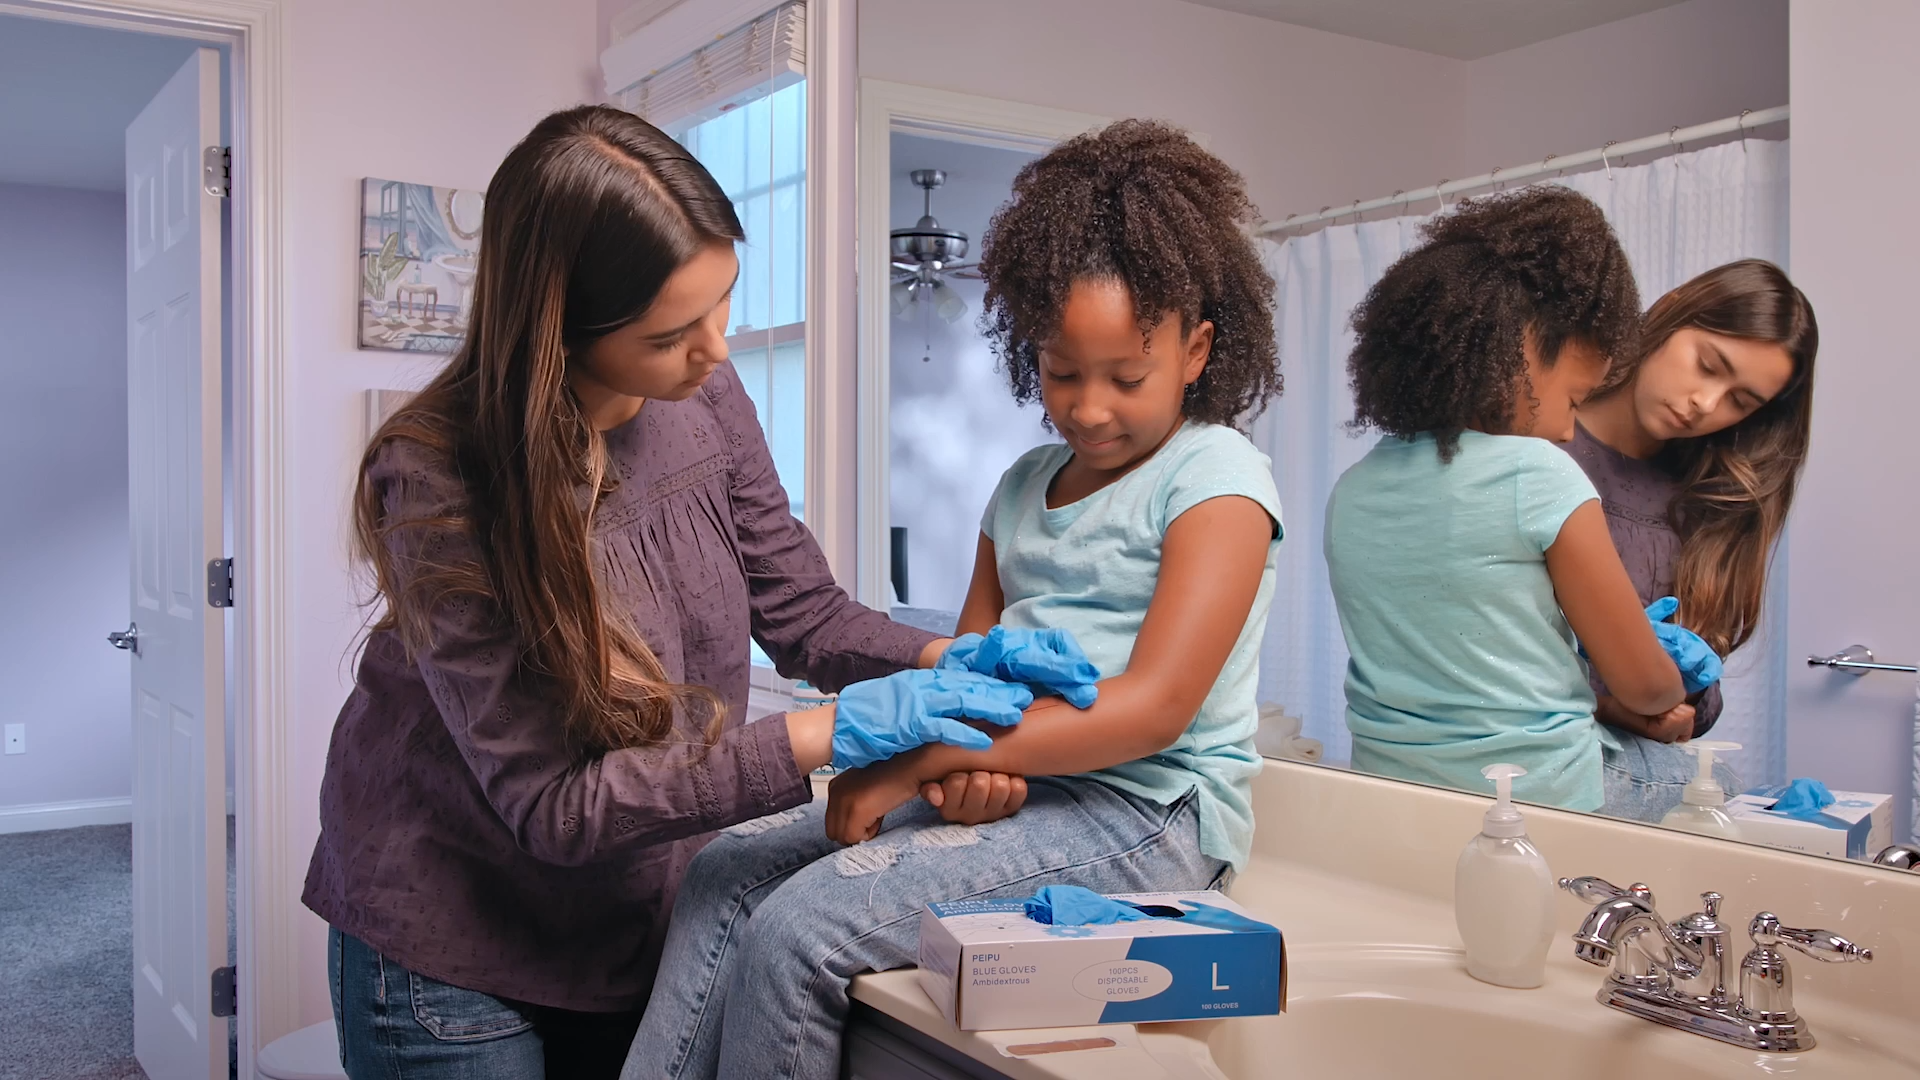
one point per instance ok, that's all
(1390, 1011)
(1359, 874)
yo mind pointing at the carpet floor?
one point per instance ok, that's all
(66, 951)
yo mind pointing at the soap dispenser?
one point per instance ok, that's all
(1703, 802)
(1503, 894)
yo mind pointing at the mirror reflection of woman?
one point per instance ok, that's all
(1696, 445)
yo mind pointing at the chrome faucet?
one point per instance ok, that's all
(1679, 974)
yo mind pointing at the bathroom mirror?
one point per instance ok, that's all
(1674, 117)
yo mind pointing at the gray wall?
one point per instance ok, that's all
(63, 493)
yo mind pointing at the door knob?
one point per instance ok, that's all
(128, 639)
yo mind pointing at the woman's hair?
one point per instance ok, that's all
(1735, 484)
(1439, 339)
(585, 220)
(1140, 203)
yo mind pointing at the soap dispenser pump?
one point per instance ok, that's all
(1503, 894)
(1703, 802)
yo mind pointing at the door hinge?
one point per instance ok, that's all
(220, 583)
(216, 170)
(223, 991)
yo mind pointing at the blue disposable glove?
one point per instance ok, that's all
(1072, 905)
(877, 719)
(1699, 665)
(1804, 799)
(1050, 659)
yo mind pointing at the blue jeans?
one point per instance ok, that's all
(1643, 779)
(774, 919)
(395, 1024)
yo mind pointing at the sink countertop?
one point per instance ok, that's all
(1335, 898)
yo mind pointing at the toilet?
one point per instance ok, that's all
(312, 1053)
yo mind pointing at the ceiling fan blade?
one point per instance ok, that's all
(906, 266)
(971, 273)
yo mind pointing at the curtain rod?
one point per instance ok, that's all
(1552, 163)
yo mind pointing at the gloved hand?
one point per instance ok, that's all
(1699, 665)
(877, 719)
(1045, 658)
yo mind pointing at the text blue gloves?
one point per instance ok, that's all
(1699, 665)
(1050, 659)
(877, 719)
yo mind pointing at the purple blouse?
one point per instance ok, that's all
(459, 837)
(1635, 495)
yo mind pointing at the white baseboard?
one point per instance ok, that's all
(37, 817)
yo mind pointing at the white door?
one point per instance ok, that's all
(173, 439)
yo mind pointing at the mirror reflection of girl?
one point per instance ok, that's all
(1465, 551)
(1123, 294)
(1695, 442)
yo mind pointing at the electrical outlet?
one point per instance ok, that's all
(16, 738)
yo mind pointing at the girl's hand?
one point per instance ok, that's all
(858, 799)
(975, 798)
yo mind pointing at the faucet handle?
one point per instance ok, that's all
(1593, 890)
(1767, 932)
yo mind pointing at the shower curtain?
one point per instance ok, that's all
(1676, 217)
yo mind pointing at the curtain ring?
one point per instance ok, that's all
(1440, 196)
(1741, 126)
(1494, 179)
(1603, 156)
(1548, 160)
(1355, 211)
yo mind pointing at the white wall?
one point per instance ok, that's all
(955, 426)
(430, 91)
(1314, 118)
(1699, 61)
(1853, 575)
(1309, 117)
(63, 484)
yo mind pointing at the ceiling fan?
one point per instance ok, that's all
(926, 254)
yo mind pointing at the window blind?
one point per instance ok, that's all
(757, 59)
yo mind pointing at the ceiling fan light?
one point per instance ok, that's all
(948, 303)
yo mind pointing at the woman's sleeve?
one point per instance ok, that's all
(1706, 711)
(506, 723)
(807, 624)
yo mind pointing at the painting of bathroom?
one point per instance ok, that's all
(418, 245)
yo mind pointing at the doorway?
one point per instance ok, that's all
(904, 129)
(98, 797)
(953, 423)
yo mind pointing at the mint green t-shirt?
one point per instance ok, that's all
(1090, 568)
(1460, 654)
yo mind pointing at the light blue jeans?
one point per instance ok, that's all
(774, 919)
(1643, 778)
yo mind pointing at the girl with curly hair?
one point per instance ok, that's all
(1465, 551)
(1695, 443)
(1122, 294)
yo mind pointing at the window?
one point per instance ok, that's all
(757, 152)
(739, 104)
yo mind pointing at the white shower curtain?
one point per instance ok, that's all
(1676, 217)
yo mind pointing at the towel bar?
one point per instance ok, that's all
(1857, 660)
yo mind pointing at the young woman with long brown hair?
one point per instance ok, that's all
(1695, 444)
(574, 530)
